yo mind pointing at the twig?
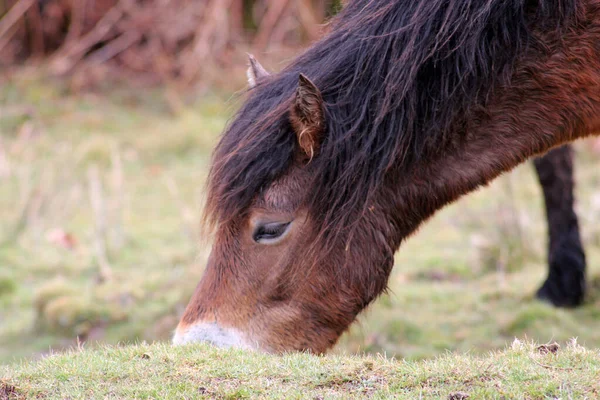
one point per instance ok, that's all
(70, 55)
(308, 18)
(97, 201)
(4, 161)
(39, 202)
(203, 46)
(14, 14)
(552, 366)
(77, 20)
(36, 25)
(11, 18)
(27, 194)
(115, 47)
(118, 199)
(518, 231)
(274, 12)
(187, 216)
(236, 15)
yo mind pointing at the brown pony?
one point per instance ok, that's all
(402, 108)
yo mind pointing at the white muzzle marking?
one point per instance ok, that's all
(212, 333)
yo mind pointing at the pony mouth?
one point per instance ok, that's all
(213, 334)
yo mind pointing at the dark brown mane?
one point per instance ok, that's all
(398, 78)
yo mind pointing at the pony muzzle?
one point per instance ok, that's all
(211, 332)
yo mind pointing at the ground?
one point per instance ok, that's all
(522, 371)
(100, 196)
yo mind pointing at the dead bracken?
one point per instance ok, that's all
(458, 396)
(548, 348)
(9, 392)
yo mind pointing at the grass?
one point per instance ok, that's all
(114, 180)
(150, 164)
(521, 371)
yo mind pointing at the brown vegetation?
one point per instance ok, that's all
(159, 40)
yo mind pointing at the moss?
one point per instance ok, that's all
(69, 310)
(77, 315)
(7, 286)
(45, 294)
(531, 317)
(402, 330)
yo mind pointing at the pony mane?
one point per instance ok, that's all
(398, 77)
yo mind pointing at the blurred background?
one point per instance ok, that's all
(109, 110)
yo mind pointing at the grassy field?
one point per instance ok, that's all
(522, 371)
(99, 209)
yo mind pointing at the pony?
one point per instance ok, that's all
(565, 284)
(403, 107)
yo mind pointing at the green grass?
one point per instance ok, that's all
(464, 283)
(521, 371)
(151, 163)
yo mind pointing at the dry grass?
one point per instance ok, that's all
(520, 371)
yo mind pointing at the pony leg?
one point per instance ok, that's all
(565, 284)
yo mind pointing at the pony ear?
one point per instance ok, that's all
(307, 116)
(255, 71)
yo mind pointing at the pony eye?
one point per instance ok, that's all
(266, 233)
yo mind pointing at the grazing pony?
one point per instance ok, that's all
(402, 108)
